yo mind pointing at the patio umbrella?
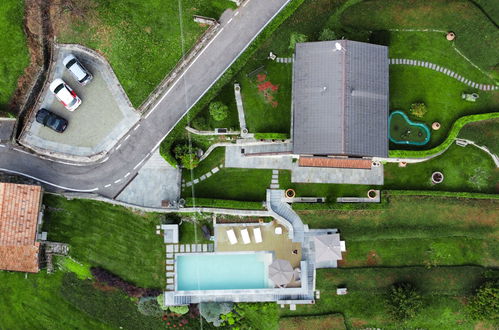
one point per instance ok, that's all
(280, 272)
(327, 248)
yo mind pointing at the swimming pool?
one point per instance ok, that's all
(222, 271)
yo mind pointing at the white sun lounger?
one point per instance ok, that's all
(232, 236)
(245, 236)
(257, 233)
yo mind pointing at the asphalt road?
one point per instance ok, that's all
(125, 159)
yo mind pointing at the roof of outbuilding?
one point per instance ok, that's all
(19, 210)
(340, 99)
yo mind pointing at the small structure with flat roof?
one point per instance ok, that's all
(340, 99)
(170, 234)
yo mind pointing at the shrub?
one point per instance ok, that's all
(484, 305)
(257, 315)
(186, 156)
(179, 309)
(404, 301)
(327, 34)
(161, 302)
(149, 306)
(199, 123)
(296, 38)
(218, 110)
(418, 110)
(211, 311)
(103, 276)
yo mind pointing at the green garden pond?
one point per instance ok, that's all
(404, 131)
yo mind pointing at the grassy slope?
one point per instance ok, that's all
(141, 39)
(215, 158)
(108, 236)
(13, 50)
(464, 169)
(364, 305)
(485, 133)
(233, 184)
(416, 231)
(35, 303)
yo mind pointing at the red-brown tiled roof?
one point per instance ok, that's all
(334, 162)
(19, 209)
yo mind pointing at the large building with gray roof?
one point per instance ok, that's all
(340, 99)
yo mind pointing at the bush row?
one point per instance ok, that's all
(271, 136)
(343, 206)
(456, 127)
(441, 194)
(166, 145)
(224, 204)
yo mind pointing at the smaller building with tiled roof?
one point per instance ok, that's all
(20, 222)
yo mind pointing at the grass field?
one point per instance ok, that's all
(443, 288)
(233, 184)
(107, 236)
(143, 40)
(417, 231)
(35, 302)
(483, 133)
(327, 321)
(13, 51)
(464, 169)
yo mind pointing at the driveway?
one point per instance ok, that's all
(103, 117)
(110, 176)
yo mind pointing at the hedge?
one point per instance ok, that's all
(223, 204)
(342, 206)
(441, 194)
(165, 147)
(271, 136)
(456, 127)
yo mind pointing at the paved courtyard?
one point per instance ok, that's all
(6, 128)
(104, 116)
(156, 181)
(234, 157)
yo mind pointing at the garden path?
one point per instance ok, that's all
(452, 74)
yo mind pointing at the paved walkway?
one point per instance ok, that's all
(284, 60)
(202, 177)
(274, 184)
(443, 70)
(465, 142)
(240, 110)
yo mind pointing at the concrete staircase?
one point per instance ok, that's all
(284, 212)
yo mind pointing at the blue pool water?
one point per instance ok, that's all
(222, 271)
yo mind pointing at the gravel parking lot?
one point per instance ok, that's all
(104, 116)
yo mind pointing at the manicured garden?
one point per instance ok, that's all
(14, 52)
(133, 35)
(112, 237)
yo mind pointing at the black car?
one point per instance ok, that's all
(51, 120)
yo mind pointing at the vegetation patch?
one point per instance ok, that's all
(14, 51)
(483, 133)
(328, 321)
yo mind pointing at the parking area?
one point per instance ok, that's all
(104, 116)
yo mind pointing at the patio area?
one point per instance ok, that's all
(280, 244)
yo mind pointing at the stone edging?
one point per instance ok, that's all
(438, 68)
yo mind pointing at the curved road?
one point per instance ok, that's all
(126, 158)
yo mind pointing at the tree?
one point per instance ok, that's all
(186, 156)
(418, 110)
(327, 34)
(218, 110)
(296, 38)
(404, 301)
(212, 311)
(149, 306)
(484, 305)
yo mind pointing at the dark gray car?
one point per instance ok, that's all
(51, 120)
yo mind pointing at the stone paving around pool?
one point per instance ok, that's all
(438, 68)
(104, 116)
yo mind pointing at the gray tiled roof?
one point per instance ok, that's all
(340, 99)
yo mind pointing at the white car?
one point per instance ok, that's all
(65, 94)
(77, 69)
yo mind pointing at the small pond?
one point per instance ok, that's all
(405, 131)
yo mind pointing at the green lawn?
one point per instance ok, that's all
(464, 169)
(35, 302)
(143, 40)
(233, 184)
(214, 159)
(190, 232)
(327, 321)
(107, 236)
(414, 230)
(364, 306)
(14, 55)
(441, 95)
(483, 133)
